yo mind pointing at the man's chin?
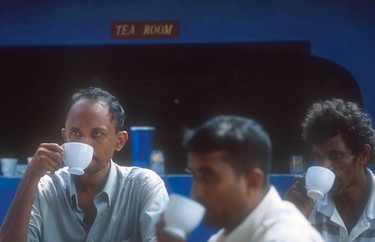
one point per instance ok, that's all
(212, 223)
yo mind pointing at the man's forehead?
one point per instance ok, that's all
(209, 160)
(333, 143)
(94, 113)
(84, 102)
(88, 107)
(206, 156)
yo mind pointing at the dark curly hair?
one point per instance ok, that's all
(327, 119)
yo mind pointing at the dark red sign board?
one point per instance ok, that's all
(145, 29)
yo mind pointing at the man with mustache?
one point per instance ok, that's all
(107, 203)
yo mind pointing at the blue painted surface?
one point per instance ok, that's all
(341, 31)
(8, 187)
(180, 184)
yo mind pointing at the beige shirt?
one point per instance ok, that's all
(128, 208)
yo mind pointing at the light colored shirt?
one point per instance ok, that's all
(128, 208)
(272, 220)
(326, 219)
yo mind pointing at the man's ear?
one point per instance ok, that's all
(122, 137)
(63, 134)
(364, 155)
(255, 179)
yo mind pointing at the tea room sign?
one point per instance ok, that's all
(145, 29)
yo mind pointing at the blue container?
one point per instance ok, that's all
(142, 142)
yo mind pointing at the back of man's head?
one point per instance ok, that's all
(244, 142)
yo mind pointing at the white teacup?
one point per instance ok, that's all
(29, 159)
(77, 156)
(182, 215)
(9, 166)
(319, 181)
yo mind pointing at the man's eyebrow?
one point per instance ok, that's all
(200, 169)
(99, 129)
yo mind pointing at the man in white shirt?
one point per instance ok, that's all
(229, 158)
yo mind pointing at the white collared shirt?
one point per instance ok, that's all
(272, 220)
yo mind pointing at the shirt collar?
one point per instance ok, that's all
(72, 191)
(370, 206)
(255, 218)
(327, 205)
(110, 186)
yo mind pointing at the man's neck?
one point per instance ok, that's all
(351, 203)
(92, 182)
(259, 197)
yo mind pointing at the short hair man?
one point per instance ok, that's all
(229, 158)
(341, 138)
(107, 203)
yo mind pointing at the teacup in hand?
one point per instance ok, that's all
(77, 156)
(182, 215)
(319, 181)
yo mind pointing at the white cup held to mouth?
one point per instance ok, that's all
(77, 156)
(319, 181)
(9, 166)
(182, 215)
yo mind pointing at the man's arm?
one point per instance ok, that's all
(16, 223)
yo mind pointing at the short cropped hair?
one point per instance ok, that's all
(244, 142)
(327, 119)
(97, 94)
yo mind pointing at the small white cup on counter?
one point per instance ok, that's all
(9, 166)
(29, 159)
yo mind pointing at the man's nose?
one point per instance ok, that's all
(326, 163)
(87, 140)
